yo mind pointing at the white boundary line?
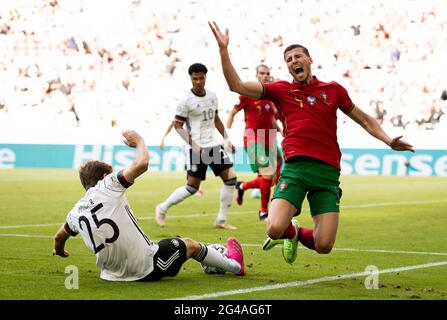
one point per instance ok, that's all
(308, 282)
(195, 215)
(258, 245)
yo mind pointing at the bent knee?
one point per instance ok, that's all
(275, 231)
(324, 247)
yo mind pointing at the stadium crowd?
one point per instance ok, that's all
(103, 64)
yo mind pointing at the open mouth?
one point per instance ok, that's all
(299, 70)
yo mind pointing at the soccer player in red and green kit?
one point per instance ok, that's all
(308, 108)
(260, 142)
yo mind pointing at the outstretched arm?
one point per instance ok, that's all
(231, 117)
(59, 242)
(372, 126)
(162, 143)
(141, 161)
(250, 88)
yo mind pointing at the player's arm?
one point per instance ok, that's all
(371, 125)
(178, 125)
(220, 127)
(230, 119)
(60, 238)
(162, 143)
(141, 161)
(247, 88)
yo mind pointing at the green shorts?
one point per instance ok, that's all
(307, 176)
(261, 156)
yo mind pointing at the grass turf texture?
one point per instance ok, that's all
(378, 213)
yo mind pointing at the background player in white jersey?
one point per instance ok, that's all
(198, 109)
(109, 229)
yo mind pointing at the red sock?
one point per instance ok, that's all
(306, 237)
(252, 184)
(265, 188)
(290, 232)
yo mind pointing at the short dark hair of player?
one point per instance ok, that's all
(93, 171)
(261, 66)
(294, 46)
(197, 67)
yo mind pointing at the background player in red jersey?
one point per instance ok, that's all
(259, 142)
(308, 108)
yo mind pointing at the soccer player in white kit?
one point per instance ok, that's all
(105, 221)
(198, 109)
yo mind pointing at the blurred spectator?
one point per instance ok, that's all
(84, 62)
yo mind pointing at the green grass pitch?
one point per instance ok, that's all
(395, 224)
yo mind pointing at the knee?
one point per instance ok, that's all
(192, 247)
(324, 247)
(274, 231)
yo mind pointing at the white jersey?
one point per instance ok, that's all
(199, 113)
(105, 221)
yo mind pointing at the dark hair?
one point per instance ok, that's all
(294, 46)
(93, 171)
(261, 66)
(197, 67)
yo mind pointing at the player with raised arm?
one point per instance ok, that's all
(312, 155)
(198, 109)
(260, 143)
(105, 221)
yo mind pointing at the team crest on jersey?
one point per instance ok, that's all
(194, 168)
(323, 96)
(267, 107)
(198, 106)
(283, 186)
(175, 242)
(311, 100)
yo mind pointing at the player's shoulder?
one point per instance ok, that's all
(279, 85)
(210, 93)
(333, 84)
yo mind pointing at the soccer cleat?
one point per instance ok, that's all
(240, 193)
(263, 215)
(236, 253)
(290, 246)
(224, 225)
(160, 216)
(270, 243)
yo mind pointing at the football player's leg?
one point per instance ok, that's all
(228, 177)
(181, 193)
(202, 254)
(281, 212)
(325, 231)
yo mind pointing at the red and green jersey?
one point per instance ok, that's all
(259, 116)
(309, 116)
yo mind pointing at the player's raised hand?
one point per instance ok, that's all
(400, 145)
(222, 39)
(132, 138)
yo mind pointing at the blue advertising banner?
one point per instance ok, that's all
(354, 161)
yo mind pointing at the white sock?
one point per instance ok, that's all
(177, 196)
(226, 196)
(216, 259)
